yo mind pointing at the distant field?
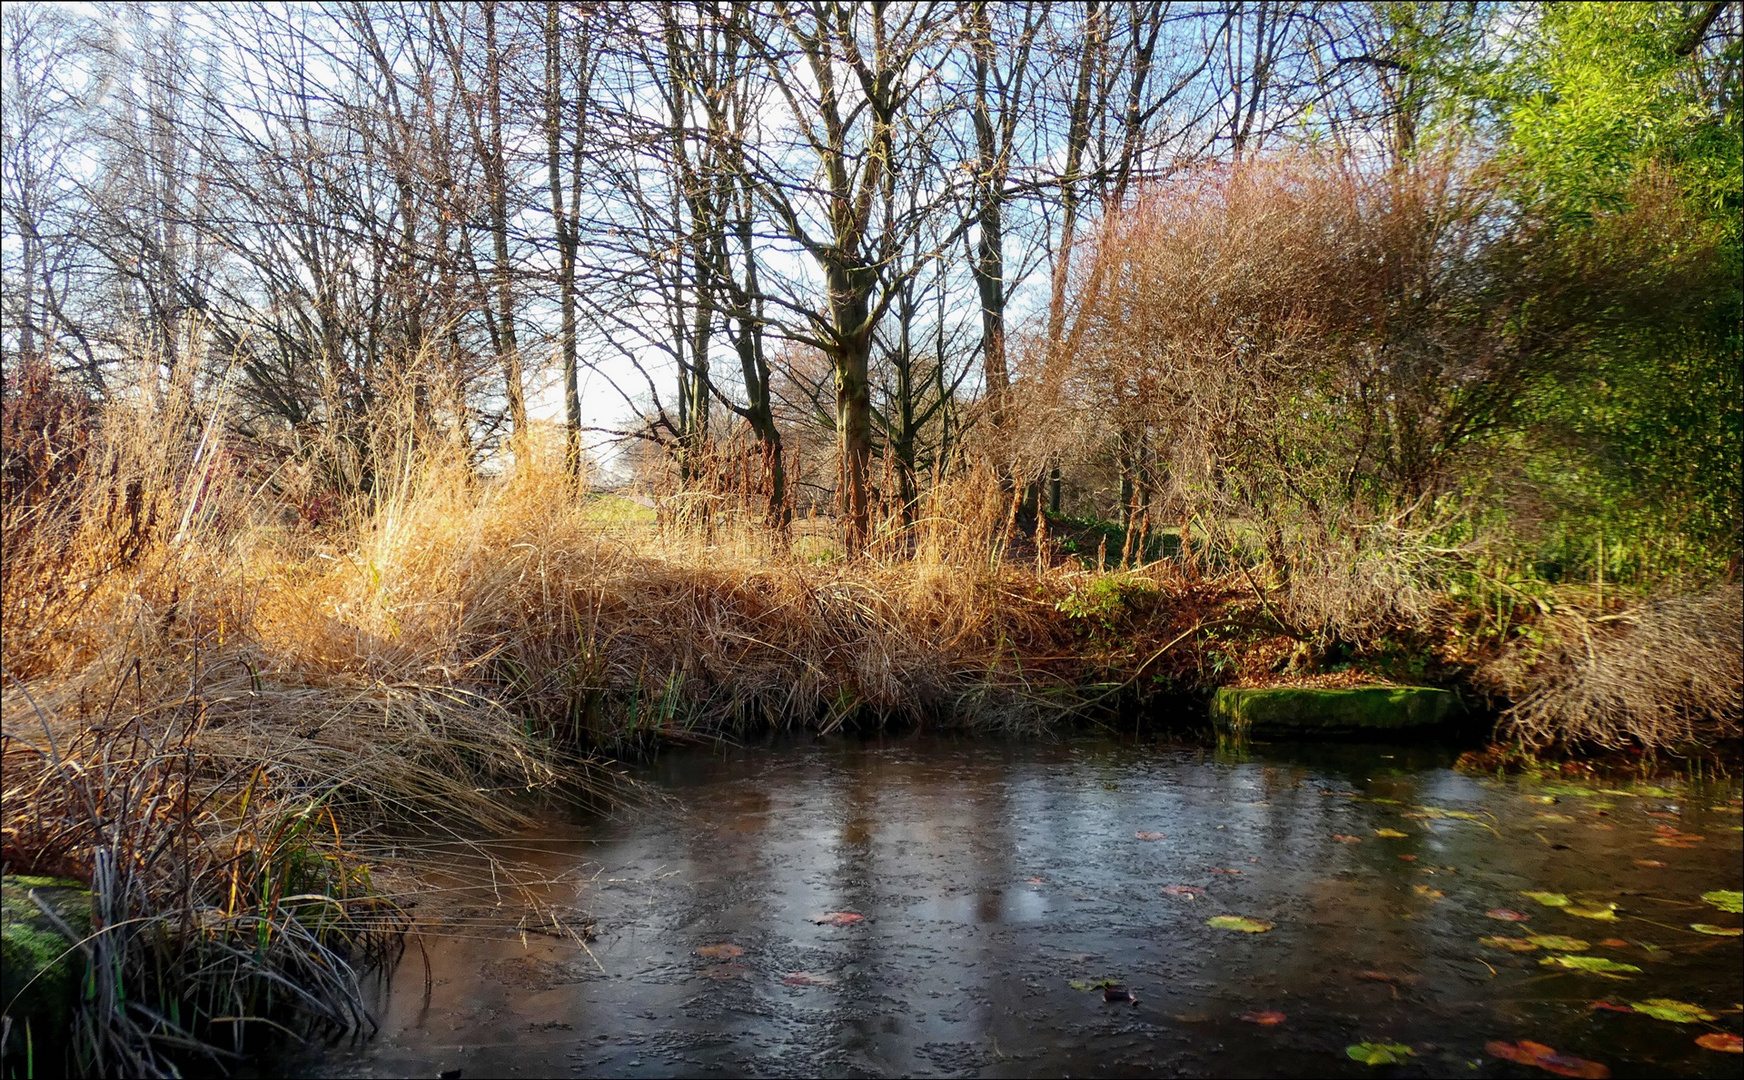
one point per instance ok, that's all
(611, 508)
(815, 539)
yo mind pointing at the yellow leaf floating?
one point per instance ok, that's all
(1391, 834)
(1438, 813)
(1558, 942)
(1238, 922)
(1548, 899)
(1716, 931)
(1379, 1053)
(1509, 943)
(1678, 1012)
(1592, 965)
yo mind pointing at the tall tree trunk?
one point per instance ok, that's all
(497, 177)
(1146, 31)
(989, 262)
(701, 333)
(904, 443)
(564, 223)
(851, 312)
(747, 301)
(27, 322)
(1077, 138)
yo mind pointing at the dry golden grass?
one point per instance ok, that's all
(1667, 673)
(598, 632)
(205, 705)
(463, 639)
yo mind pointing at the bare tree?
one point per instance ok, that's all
(566, 136)
(867, 68)
(484, 117)
(46, 80)
(999, 102)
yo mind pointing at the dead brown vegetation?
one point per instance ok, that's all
(1667, 673)
(1313, 367)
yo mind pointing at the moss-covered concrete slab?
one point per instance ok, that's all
(1289, 711)
(40, 969)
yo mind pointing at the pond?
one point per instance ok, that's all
(926, 906)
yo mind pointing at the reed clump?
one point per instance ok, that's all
(189, 731)
(222, 908)
(1666, 673)
(603, 627)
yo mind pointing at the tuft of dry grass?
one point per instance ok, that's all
(602, 633)
(186, 727)
(220, 906)
(1668, 673)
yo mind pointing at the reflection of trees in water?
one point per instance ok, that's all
(963, 963)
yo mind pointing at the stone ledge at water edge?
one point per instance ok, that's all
(1291, 711)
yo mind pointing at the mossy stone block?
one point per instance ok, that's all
(40, 969)
(1293, 711)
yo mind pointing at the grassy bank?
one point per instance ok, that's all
(211, 694)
